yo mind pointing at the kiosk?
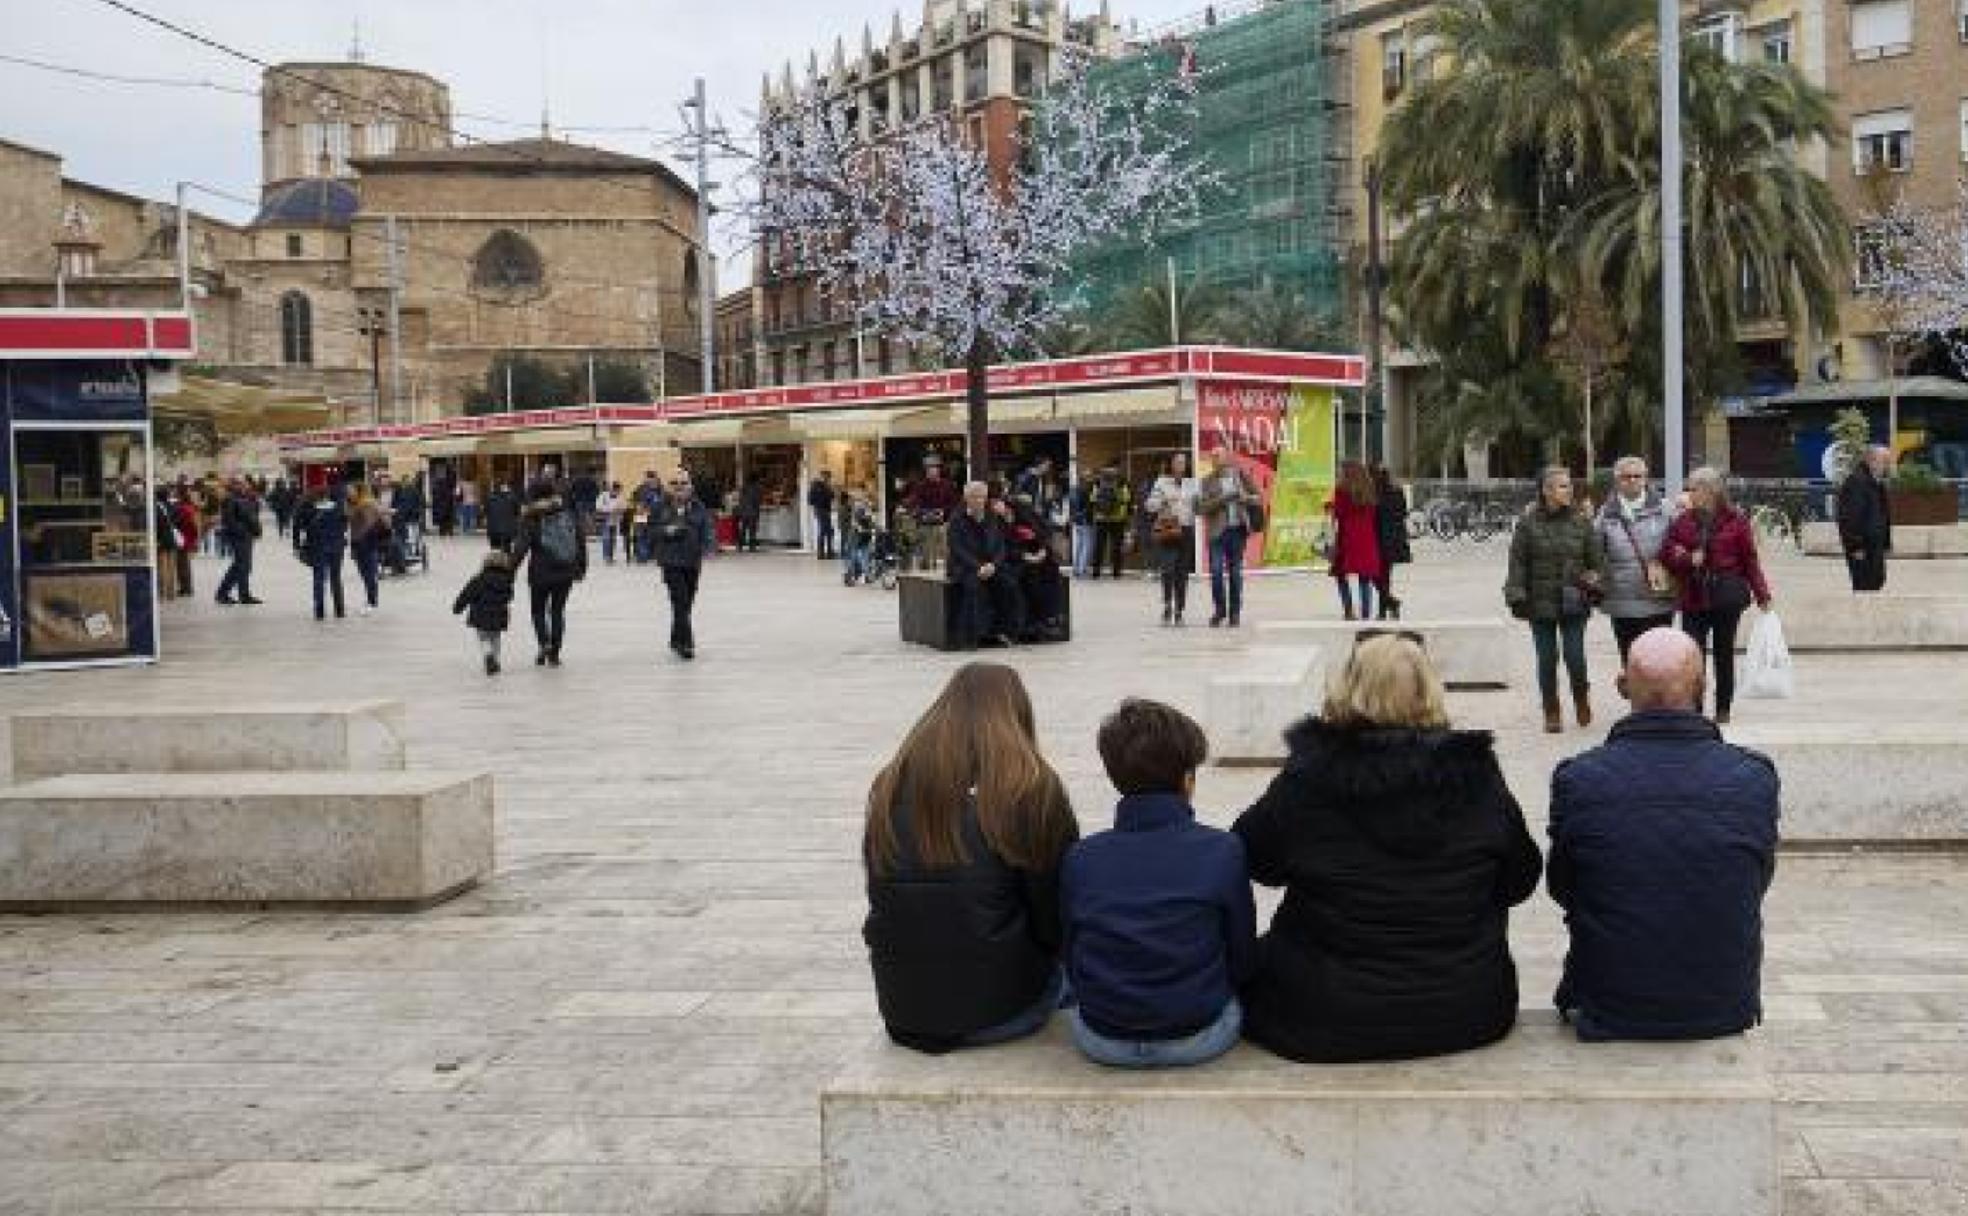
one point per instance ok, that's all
(78, 580)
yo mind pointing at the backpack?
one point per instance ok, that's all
(558, 537)
(1104, 496)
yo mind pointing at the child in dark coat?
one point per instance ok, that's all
(486, 602)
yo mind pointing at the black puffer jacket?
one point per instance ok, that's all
(1401, 853)
(487, 599)
(961, 949)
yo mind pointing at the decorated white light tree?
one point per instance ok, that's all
(1919, 271)
(934, 246)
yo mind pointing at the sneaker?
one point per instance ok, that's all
(247, 599)
(224, 599)
(368, 610)
(1178, 618)
(1216, 621)
(491, 666)
(1235, 620)
(553, 658)
(1168, 614)
(540, 659)
(687, 652)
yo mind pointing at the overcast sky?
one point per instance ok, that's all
(613, 63)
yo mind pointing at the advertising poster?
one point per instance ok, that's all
(1284, 435)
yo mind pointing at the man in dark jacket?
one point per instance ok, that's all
(555, 551)
(987, 593)
(1865, 520)
(502, 517)
(820, 496)
(751, 503)
(321, 535)
(239, 520)
(1663, 842)
(680, 532)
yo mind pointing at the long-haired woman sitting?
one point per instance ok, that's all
(966, 828)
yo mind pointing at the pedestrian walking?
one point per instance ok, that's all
(165, 527)
(1172, 503)
(555, 553)
(239, 519)
(1711, 548)
(1632, 526)
(1079, 513)
(1865, 520)
(369, 534)
(820, 497)
(1557, 568)
(184, 521)
(751, 504)
(486, 602)
(1391, 514)
(1229, 505)
(284, 499)
(468, 506)
(608, 508)
(1113, 507)
(502, 509)
(680, 531)
(1355, 512)
(321, 533)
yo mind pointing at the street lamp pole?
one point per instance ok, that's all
(1671, 252)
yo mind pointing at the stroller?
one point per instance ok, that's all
(883, 563)
(407, 548)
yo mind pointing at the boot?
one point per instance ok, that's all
(1582, 698)
(1554, 717)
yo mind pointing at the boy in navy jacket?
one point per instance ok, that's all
(1160, 929)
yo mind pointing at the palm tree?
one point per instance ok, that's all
(1138, 319)
(1271, 316)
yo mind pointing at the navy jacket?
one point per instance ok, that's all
(1662, 844)
(321, 531)
(1160, 928)
(682, 534)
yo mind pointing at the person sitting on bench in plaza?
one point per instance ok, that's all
(966, 829)
(1401, 851)
(1663, 841)
(1160, 927)
(987, 592)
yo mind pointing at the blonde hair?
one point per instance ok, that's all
(1387, 681)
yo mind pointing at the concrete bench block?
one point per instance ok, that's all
(1884, 620)
(1538, 1125)
(379, 838)
(1473, 653)
(222, 738)
(1250, 707)
(1909, 540)
(1891, 784)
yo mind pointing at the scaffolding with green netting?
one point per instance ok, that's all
(1270, 114)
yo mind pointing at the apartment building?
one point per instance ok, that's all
(983, 63)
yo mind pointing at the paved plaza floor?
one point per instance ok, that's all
(636, 1013)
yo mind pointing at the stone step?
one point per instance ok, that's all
(1472, 653)
(1537, 1125)
(1885, 620)
(1885, 784)
(394, 839)
(208, 738)
(1250, 706)
(1909, 540)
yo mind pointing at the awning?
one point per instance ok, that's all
(447, 447)
(556, 439)
(845, 424)
(236, 409)
(1120, 403)
(710, 431)
(1849, 392)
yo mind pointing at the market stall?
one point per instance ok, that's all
(78, 580)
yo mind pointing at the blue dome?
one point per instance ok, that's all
(315, 202)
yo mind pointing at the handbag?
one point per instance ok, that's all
(1723, 590)
(1660, 580)
(1168, 529)
(1254, 515)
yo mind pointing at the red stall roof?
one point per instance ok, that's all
(1088, 374)
(95, 333)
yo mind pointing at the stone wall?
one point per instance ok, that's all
(30, 210)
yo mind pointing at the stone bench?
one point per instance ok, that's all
(1894, 784)
(1250, 707)
(929, 604)
(388, 839)
(216, 738)
(1909, 540)
(1538, 1125)
(1474, 653)
(1884, 620)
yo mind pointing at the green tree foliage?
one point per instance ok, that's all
(1528, 172)
(534, 384)
(1271, 316)
(1138, 319)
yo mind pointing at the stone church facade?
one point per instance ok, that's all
(534, 247)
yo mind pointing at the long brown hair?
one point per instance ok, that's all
(977, 735)
(1358, 484)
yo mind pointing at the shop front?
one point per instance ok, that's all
(77, 548)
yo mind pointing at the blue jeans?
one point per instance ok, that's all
(1566, 633)
(854, 557)
(1199, 1048)
(368, 563)
(611, 527)
(328, 578)
(1226, 563)
(1082, 549)
(1029, 1021)
(1366, 595)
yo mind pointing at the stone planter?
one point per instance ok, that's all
(1924, 507)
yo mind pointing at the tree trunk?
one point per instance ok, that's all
(977, 397)
(1590, 455)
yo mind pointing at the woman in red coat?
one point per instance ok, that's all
(184, 513)
(1711, 548)
(1356, 538)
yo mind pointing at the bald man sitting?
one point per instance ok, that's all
(1663, 842)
